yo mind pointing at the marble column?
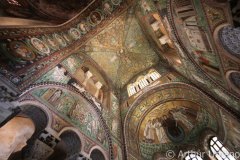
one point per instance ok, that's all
(14, 135)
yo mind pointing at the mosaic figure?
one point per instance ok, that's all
(55, 96)
(107, 7)
(51, 42)
(20, 50)
(67, 38)
(60, 40)
(40, 46)
(161, 135)
(149, 131)
(75, 33)
(95, 17)
(83, 26)
(178, 115)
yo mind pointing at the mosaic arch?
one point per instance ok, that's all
(70, 104)
(174, 103)
(29, 101)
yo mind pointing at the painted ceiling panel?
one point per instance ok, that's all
(122, 48)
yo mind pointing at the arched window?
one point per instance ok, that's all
(192, 156)
(131, 90)
(68, 148)
(154, 75)
(97, 155)
(142, 82)
(219, 151)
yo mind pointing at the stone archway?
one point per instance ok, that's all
(97, 155)
(24, 129)
(40, 120)
(68, 148)
(14, 135)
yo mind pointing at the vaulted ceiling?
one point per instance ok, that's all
(122, 49)
(120, 42)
